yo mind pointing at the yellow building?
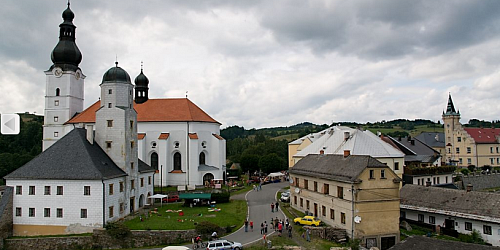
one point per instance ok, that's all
(469, 146)
(357, 193)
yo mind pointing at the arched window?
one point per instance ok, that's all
(177, 161)
(154, 160)
(202, 158)
(58, 92)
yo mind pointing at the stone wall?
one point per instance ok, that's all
(329, 233)
(480, 181)
(6, 215)
(46, 243)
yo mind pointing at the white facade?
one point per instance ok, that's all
(446, 178)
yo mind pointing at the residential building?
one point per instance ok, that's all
(417, 242)
(337, 139)
(453, 211)
(295, 146)
(435, 140)
(355, 192)
(469, 146)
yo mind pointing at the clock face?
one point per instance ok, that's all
(57, 72)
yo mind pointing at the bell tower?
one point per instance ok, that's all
(64, 91)
(451, 122)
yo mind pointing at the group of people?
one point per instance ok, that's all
(248, 223)
(257, 187)
(275, 205)
(281, 225)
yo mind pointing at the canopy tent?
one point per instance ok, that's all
(158, 196)
(195, 196)
(277, 174)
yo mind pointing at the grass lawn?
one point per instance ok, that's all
(231, 214)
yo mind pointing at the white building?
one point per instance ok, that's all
(453, 210)
(176, 137)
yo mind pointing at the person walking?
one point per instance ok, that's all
(265, 227)
(261, 228)
(246, 226)
(276, 222)
(280, 229)
(264, 239)
(251, 226)
(308, 235)
(272, 207)
(277, 206)
(290, 231)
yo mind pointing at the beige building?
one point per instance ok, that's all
(469, 146)
(353, 192)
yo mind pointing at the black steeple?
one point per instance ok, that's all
(66, 54)
(450, 109)
(141, 88)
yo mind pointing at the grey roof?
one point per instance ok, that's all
(207, 168)
(144, 167)
(411, 146)
(71, 158)
(421, 158)
(468, 204)
(433, 139)
(421, 242)
(335, 167)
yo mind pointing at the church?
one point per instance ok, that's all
(98, 165)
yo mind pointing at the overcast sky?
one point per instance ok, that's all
(270, 63)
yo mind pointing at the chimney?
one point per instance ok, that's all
(347, 153)
(322, 152)
(346, 135)
(90, 133)
(469, 187)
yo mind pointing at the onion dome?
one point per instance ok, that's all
(116, 74)
(66, 54)
(141, 88)
(141, 80)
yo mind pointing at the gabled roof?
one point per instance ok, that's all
(478, 205)
(417, 242)
(484, 135)
(415, 150)
(71, 158)
(433, 139)
(312, 137)
(144, 167)
(359, 143)
(155, 110)
(335, 167)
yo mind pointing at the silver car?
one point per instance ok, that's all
(224, 244)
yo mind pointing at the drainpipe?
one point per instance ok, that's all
(103, 204)
(352, 213)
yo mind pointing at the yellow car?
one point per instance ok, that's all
(307, 220)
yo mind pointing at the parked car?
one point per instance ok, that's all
(224, 244)
(171, 198)
(307, 220)
(285, 197)
(176, 248)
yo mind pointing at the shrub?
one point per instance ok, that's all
(474, 237)
(206, 228)
(117, 230)
(471, 168)
(464, 171)
(221, 197)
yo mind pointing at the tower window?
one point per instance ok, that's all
(109, 105)
(56, 103)
(108, 144)
(58, 92)
(132, 144)
(110, 91)
(154, 160)
(131, 124)
(132, 165)
(56, 134)
(56, 118)
(202, 158)
(110, 123)
(130, 92)
(176, 144)
(177, 161)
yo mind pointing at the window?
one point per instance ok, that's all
(31, 190)
(19, 190)
(459, 139)
(396, 165)
(487, 229)
(340, 192)
(297, 182)
(202, 158)
(438, 180)
(46, 212)
(131, 165)
(58, 92)
(315, 186)
(46, 190)
(131, 125)
(497, 150)
(306, 184)
(372, 174)
(446, 178)
(491, 150)
(301, 202)
(469, 150)
(59, 213)
(122, 207)
(149, 180)
(132, 184)
(432, 220)
(154, 160)
(111, 211)
(110, 91)
(468, 226)
(111, 189)
(469, 161)
(449, 150)
(382, 173)
(110, 123)
(59, 190)
(498, 160)
(86, 190)
(19, 212)
(402, 214)
(295, 200)
(108, 144)
(121, 187)
(420, 218)
(460, 161)
(332, 214)
(83, 213)
(418, 182)
(492, 160)
(326, 189)
(457, 150)
(342, 218)
(323, 211)
(109, 105)
(132, 144)
(176, 144)
(177, 161)
(56, 134)
(56, 103)
(307, 204)
(56, 118)
(31, 212)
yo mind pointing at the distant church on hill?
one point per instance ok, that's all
(99, 164)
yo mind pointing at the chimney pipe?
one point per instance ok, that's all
(90, 133)
(469, 187)
(347, 153)
(322, 152)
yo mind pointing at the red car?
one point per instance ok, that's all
(171, 198)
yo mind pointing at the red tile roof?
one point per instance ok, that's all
(164, 136)
(155, 110)
(218, 137)
(484, 135)
(193, 136)
(141, 136)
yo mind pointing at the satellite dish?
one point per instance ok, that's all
(291, 180)
(297, 190)
(357, 219)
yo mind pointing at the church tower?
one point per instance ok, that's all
(64, 90)
(451, 122)
(116, 127)
(141, 88)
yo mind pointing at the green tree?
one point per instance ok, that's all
(249, 162)
(271, 163)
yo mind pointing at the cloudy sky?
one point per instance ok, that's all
(270, 63)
